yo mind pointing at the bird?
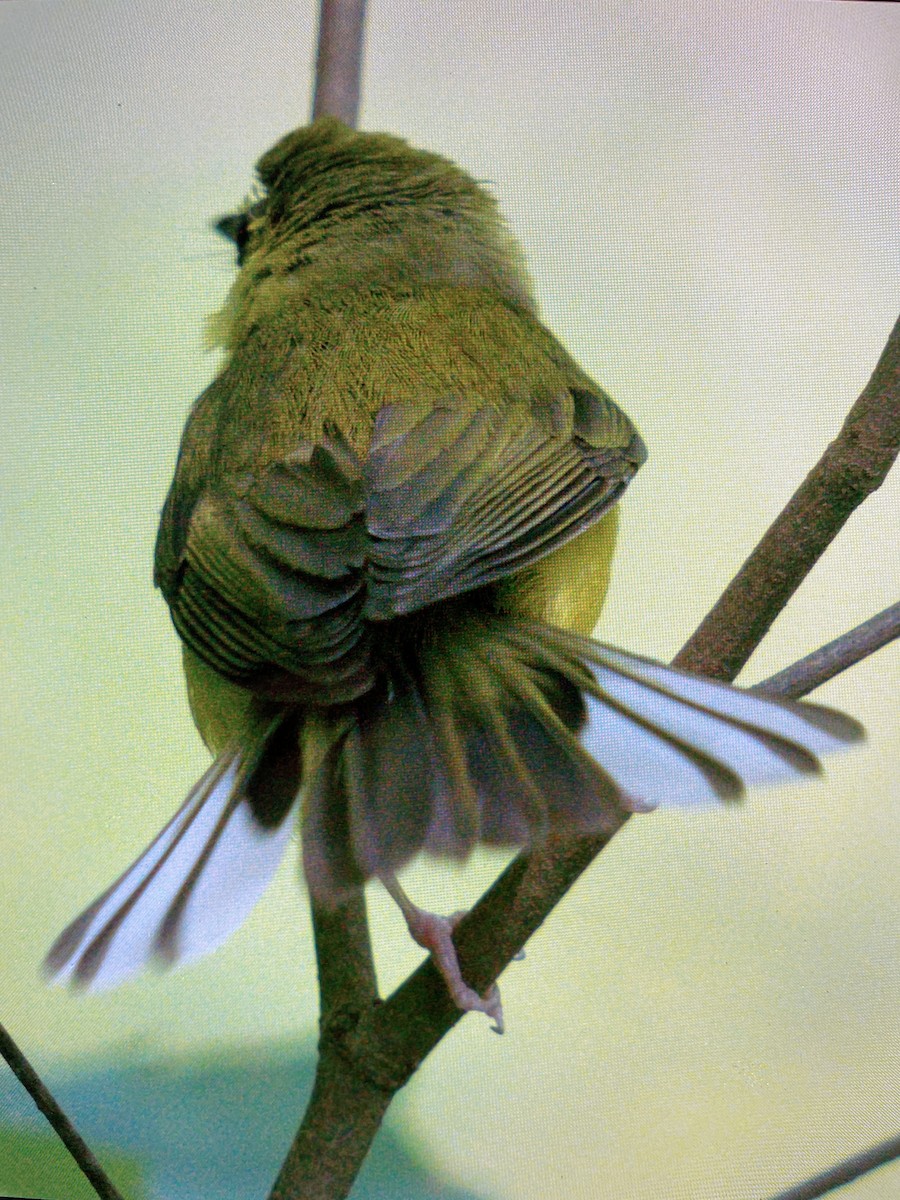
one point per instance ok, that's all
(385, 549)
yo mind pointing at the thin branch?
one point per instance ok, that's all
(339, 60)
(342, 1118)
(826, 662)
(844, 1172)
(321, 1164)
(852, 467)
(344, 955)
(415, 1018)
(68, 1134)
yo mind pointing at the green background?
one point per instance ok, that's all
(707, 197)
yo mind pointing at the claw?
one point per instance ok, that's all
(435, 933)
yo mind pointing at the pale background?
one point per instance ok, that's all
(707, 195)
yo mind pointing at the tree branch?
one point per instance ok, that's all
(322, 1163)
(852, 467)
(66, 1131)
(344, 956)
(342, 1118)
(844, 1172)
(339, 60)
(826, 662)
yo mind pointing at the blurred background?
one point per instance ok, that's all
(707, 196)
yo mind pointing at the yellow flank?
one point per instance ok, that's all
(569, 586)
(223, 712)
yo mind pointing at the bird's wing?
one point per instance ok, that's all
(264, 576)
(274, 576)
(458, 497)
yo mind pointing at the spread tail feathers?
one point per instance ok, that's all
(487, 731)
(502, 732)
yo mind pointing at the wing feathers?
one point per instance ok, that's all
(466, 495)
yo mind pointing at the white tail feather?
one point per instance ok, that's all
(646, 768)
(650, 727)
(189, 890)
(818, 730)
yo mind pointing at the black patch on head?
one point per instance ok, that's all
(236, 227)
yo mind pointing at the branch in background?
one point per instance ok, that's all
(844, 1172)
(852, 467)
(339, 60)
(68, 1134)
(823, 664)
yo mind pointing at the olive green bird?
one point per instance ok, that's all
(388, 535)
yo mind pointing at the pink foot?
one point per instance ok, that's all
(435, 933)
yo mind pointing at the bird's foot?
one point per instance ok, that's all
(435, 934)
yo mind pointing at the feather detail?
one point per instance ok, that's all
(505, 731)
(190, 889)
(670, 738)
(329, 866)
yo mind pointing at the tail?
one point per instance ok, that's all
(503, 732)
(485, 730)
